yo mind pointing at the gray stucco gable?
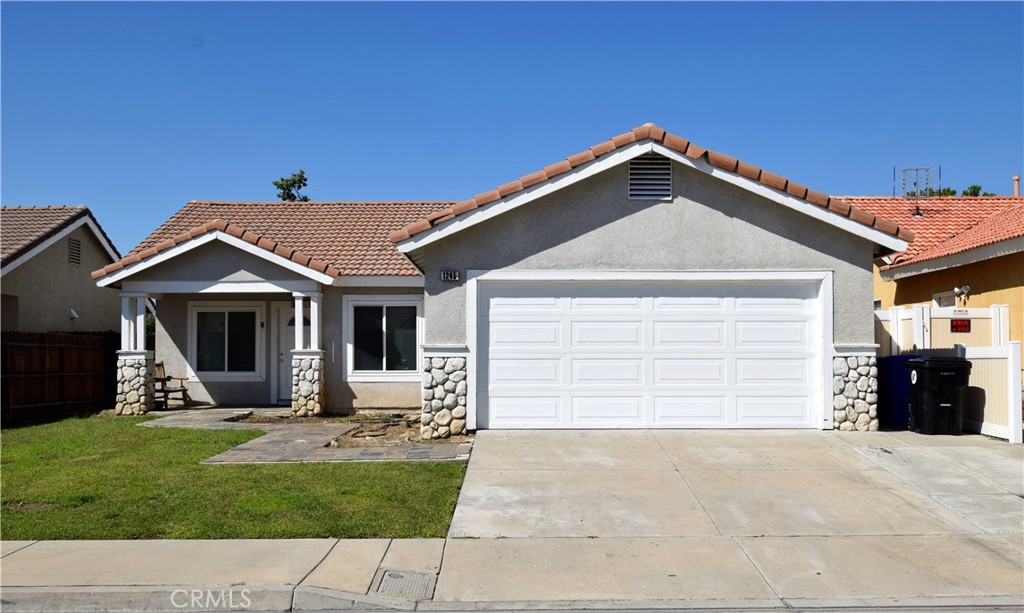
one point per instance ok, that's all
(708, 225)
(216, 261)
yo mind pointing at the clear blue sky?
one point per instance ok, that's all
(136, 108)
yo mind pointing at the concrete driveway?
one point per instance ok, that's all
(753, 516)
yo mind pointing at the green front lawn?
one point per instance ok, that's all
(106, 478)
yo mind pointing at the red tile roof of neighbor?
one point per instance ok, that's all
(24, 227)
(671, 141)
(335, 238)
(948, 225)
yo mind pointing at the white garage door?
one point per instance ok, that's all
(672, 355)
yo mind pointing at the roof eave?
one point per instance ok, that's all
(963, 258)
(452, 224)
(141, 262)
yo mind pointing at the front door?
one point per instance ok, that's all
(285, 321)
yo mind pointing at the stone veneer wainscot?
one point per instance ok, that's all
(307, 383)
(855, 393)
(134, 383)
(444, 397)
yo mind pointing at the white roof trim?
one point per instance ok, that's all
(625, 154)
(378, 281)
(518, 199)
(85, 220)
(797, 204)
(216, 235)
(977, 254)
(217, 287)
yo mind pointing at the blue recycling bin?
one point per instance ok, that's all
(894, 392)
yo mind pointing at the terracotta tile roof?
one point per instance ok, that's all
(24, 227)
(948, 225)
(336, 238)
(681, 145)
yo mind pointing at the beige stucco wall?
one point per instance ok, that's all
(995, 281)
(47, 286)
(341, 396)
(220, 262)
(708, 226)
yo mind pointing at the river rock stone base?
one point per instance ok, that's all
(444, 397)
(134, 386)
(307, 386)
(855, 389)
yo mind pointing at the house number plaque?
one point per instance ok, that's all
(449, 275)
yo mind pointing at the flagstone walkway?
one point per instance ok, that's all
(299, 442)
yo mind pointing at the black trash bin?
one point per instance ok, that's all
(894, 392)
(937, 388)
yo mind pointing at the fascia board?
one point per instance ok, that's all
(472, 218)
(217, 235)
(789, 201)
(971, 256)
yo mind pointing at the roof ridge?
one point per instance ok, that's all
(649, 131)
(44, 206)
(315, 202)
(932, 198)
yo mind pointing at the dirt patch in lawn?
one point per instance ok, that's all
(373, 429)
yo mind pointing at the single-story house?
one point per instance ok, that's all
(643, 282)
(46, 256)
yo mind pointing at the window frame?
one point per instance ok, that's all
(196, 307)
(348, 306)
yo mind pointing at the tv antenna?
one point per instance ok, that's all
(917, 184)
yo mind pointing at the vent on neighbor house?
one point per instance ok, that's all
(74, 251)
(650, 177)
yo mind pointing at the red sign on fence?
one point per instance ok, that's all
(960, 325)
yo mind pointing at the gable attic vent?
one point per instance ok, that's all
(650, 177)
(74, 251)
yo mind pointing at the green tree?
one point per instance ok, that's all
(975, 190)
(288, 187)
(934, 193)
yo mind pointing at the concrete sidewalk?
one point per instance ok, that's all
(753, 521)
(702, 573)
(254, 575)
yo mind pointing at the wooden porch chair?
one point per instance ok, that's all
(164, 387)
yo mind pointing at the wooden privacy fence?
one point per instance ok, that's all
(45, 375)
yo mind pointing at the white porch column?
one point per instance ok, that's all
(134, 363)
(140, 323)
(314, 320)
(126, 322)
(307, 364)
(299, 332)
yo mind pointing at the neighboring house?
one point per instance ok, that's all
(975, 243)
(46, 256)
(644, 282)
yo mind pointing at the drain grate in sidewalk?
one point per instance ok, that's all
(402, 584)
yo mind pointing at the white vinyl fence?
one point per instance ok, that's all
(993, 404)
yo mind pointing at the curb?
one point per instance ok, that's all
(286, 598)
